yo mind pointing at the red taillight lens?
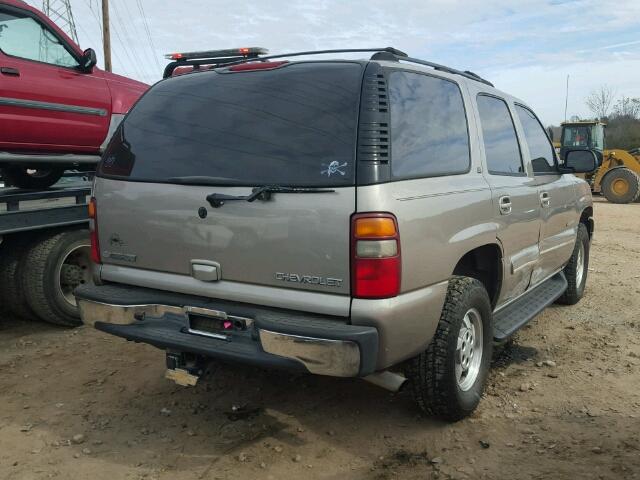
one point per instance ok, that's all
(93, 231)
(376, 261)
(247, 67)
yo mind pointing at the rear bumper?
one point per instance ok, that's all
(268, 337)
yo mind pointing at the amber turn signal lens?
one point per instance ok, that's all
(374, 227)
(92, 208)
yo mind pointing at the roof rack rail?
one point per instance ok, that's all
(394, 51)
(384, 53)
(443, 68)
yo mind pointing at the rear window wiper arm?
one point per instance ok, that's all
(264, 192)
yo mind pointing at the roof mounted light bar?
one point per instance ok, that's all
(213, 54)
(211, 58)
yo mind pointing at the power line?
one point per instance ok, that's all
(130, 17)
(149, 36)
(132, 62)
(125, 32)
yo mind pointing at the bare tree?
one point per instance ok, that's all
(627, 107)
(599, 101)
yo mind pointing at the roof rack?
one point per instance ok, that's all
(214, 58)
(244, 55)
(386, 53)
(443, 68)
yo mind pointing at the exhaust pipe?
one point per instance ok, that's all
(388, 380)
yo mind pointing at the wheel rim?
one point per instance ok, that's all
(469, 349)
(580, 264)
(620, 186)
(75, 270)
(37, 173)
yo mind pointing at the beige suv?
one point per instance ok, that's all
(386, 218)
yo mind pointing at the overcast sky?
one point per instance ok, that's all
(524, 47)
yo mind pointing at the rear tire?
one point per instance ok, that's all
(32, 179)
(577, 268)
(621, 185)
(437, 376)
(53, 267)
(12, 296)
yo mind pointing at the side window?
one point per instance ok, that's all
(22, 36)
(500, 141)
(540, 149)
(429, 134)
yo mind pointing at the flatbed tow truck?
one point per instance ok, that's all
(44, 249)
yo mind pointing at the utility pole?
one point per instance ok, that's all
(106, 35)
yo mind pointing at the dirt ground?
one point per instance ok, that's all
(82, 404)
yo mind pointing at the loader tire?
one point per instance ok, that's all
(12, 296)
(53, 267)
(621, 185)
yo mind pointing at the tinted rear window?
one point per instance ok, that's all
(295, 125)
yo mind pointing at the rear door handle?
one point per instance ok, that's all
(545, 200)
(505, 205)
(10, 71)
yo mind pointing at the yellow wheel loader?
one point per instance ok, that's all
(618, 176)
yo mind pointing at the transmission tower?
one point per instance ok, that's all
(60, 12)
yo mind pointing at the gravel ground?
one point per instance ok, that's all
(563, 401)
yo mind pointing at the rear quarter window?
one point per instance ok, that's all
(429, 132)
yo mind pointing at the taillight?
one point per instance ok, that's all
(375, 255)
(93, 231)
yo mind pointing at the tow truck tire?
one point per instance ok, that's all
(31, 179)
(53, 267)
(12, 296)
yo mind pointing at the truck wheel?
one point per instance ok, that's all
(448, 379)
(11, 295)
(621, 185)
(577, 268)
(53, 268)
(27, 178)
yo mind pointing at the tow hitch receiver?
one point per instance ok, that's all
(185, 369)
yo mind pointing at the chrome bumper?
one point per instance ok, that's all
(321, 356)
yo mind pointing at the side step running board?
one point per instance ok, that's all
(513, 317)
(63, 159)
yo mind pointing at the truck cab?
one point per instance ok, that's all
(57, 109)
(588, 135)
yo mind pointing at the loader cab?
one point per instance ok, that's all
(583, 135)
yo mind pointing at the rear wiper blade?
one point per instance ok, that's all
(264, 192)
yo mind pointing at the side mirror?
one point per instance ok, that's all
(580, 161)
(88, 60)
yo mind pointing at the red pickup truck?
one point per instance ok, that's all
(57, 109)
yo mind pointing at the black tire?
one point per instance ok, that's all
(575, 290)
(432, 374)
(38, 179)
(41, 279)
(622, 176)
(12, 296)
